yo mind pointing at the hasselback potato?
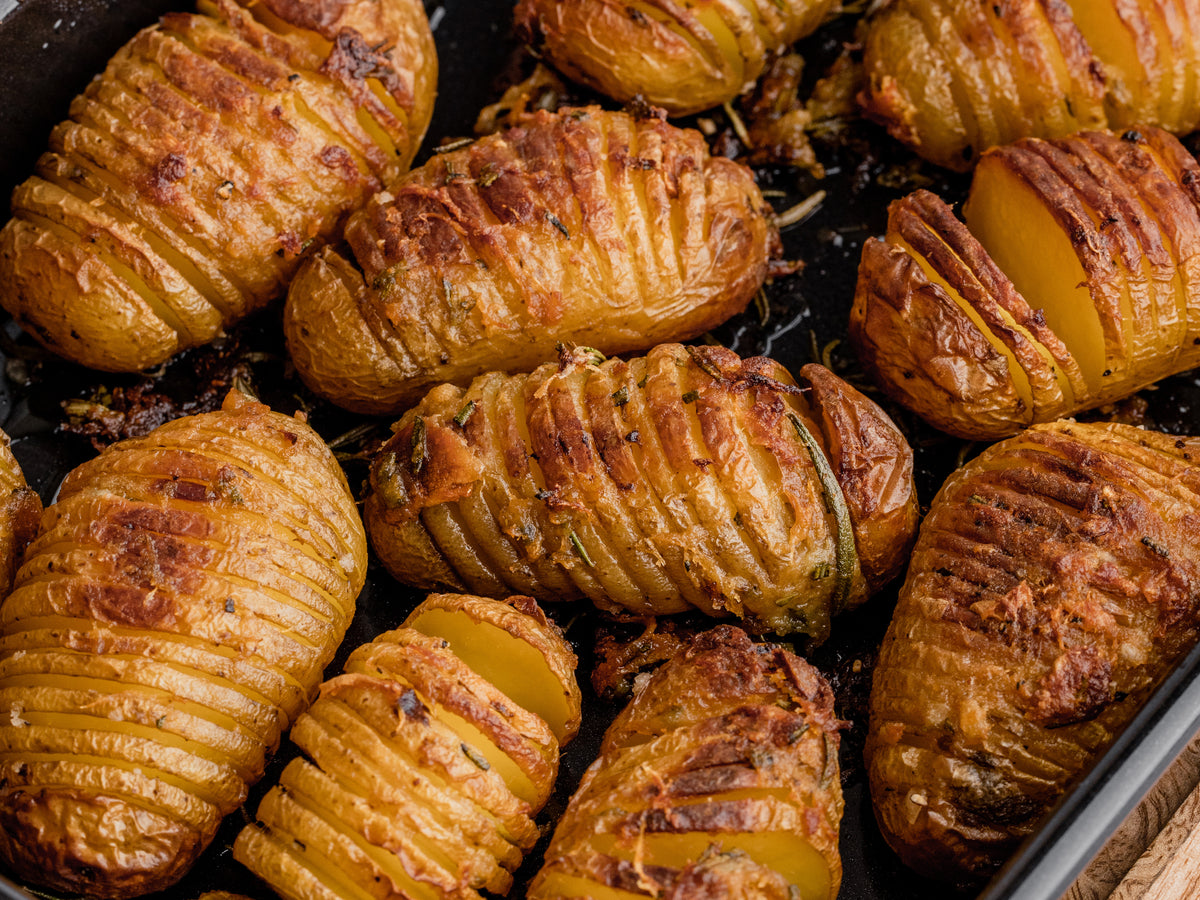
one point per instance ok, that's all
(720, 779)
(171, 619)
(422, 771)
(588, 226)
(954, 77)
(683, 57)
(215, 148)
(1073, 283)
(686, 478)
(1054, 582)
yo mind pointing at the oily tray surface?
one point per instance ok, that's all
(49, 49)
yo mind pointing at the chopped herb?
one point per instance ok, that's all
(448, 291)
(225, 191)
(579, 548)
(412, 707)
(488, 175)
(465, 413)
(158, 723)
(975, 498)
(557, 223)
(454, 145)
(633, 437)
(642, 383)
(797, 733)
(230, 606)
(620, 396)
(541, 495)
(417, 451)
(830, 762)
(1157, 548)
(475, 756)
(704, 364)
(822, 571)
(691, 397)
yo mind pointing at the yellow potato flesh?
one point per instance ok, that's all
(791, 856)
(1026, 241)
(559, 884)
(1110, 38)
(1019, 378)
(514, 666)
(518, 782)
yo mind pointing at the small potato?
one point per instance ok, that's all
(421, 775)
(583, 226)
(1074, 282)
(683, 57)
(1053, 584)
(734, 793)
(214, 150)
(688, 478)
(173, 617)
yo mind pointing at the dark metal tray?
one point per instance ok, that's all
(49, 49)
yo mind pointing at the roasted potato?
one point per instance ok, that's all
(172, 618)
(720, 779)
(215, 148)
(587, 226)
(421, 773)
(1054, 582)
(682, 57)
(687, 478)
(954, 77)
(1074, 283)
(20, 515)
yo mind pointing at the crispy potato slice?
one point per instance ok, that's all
(147, 665)
(998, 685)
(421, 775)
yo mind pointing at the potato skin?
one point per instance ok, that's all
(667, 53)
(671, 481)
(933, 87)
(1054, 582)
(753, 717)
(173, 617)
(1128, 203)
(582, 226)
(383, 770)
(20, 514)
(216, 148)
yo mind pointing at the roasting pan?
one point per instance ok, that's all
(49, 49)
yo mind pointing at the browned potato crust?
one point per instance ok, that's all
(684, 57)
(172, 618)
(1054, 582)
(20, 515)
(735, 793)
(216, 148)
(418, 770)
(583, 226)
(1074, 282)
(687, 478)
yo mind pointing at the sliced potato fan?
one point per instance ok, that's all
(420, 776)
(215, 148)
(736, 794)
(1073, 283)
(172, 618)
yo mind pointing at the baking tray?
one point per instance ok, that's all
(49, 49)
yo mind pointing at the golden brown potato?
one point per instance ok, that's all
(213, 151)
(421, 775)
(682, 57)
(734, 793)
(1054, 582)
(951, 78)
(585, 226)
(1074, 283)
(20, 514)
(687, 478)
(172, 618)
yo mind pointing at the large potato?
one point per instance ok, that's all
(1075, 282)
(421, 774)
(215, 149)
(720, 779)
(952, 78)
(173, 617)
(586, 226)
(1054, 582)
(687, 478)
(684, 57)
